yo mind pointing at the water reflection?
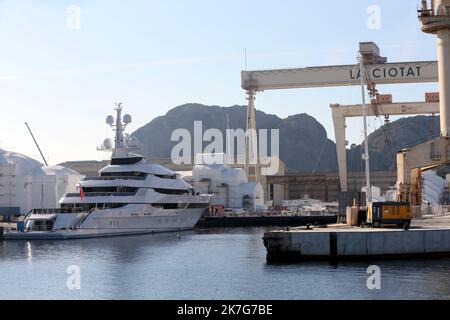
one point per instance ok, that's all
(120, 249)
(202, 264)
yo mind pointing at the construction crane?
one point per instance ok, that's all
(377, 69)
(435, 19)
(37, 145)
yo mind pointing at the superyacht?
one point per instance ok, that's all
(129, 196)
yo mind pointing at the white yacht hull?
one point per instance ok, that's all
(114, 222)
(79, 234)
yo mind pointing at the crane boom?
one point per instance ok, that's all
(37, 145)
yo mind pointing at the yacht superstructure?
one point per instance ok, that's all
(129, 196)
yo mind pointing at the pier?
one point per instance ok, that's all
(427, 237)
(265, 221)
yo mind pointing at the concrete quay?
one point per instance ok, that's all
(428, 236)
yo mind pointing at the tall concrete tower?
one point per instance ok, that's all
(435, 19)
(251, 161)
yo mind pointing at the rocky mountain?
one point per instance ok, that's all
(304, 145)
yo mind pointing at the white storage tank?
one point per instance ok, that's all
(230, 186)
(28, 184)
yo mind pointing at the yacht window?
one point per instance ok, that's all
(108, 189)
(166, 176)
(180, 205)
(119, 161)
(88, 206)
(170, 191)
(43, 225)
(124, 192)
(123, 174)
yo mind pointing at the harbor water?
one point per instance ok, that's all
(200, 264)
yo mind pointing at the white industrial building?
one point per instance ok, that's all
(230, 186)
(27, 184)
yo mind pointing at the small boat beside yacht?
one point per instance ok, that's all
(129, 196)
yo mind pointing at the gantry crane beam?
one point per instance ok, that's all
(393, 109)
(341, 112)
(341, 75)
(378, 72)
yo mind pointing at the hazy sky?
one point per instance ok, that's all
(155, 55)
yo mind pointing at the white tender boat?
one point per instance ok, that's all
(130, 196)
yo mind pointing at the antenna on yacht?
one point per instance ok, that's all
(119, 127)
(122, 142)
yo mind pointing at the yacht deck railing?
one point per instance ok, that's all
(56, 211)
(114, 178)
(101, 194)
